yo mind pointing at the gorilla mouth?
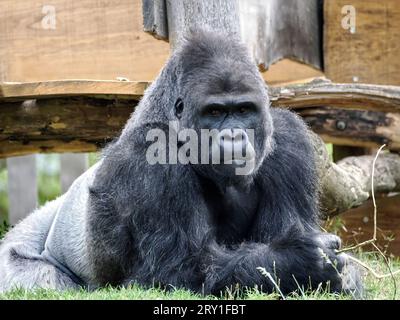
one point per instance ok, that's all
(237, 162)
(237, 166)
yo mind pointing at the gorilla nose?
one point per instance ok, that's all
(233, 141)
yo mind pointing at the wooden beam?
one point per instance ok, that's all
(319, 92)
(369, 129)
(340, 95)
(83, 115)
(15, 91)
(69, 124)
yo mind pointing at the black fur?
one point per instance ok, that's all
(178, 225)
(194, 226)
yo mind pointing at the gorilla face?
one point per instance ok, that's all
(233, 119)
(233, 107)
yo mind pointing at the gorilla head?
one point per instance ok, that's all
(220, 90)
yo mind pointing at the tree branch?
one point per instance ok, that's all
(347, 184)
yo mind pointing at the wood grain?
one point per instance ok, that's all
(340, 95)
(48, 89)
(81, 116)
(92, 40)
(368, 129)
(272, 30)
(313, 94)
(74, 124)
(371, 54)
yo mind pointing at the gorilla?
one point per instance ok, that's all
(194, 225)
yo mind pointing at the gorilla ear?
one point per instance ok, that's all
(178, 108)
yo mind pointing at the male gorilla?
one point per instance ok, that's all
(196, 226)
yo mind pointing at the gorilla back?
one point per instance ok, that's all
(191, 224)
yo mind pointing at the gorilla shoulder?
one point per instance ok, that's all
(290, 131)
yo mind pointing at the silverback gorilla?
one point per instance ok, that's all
(198, 226)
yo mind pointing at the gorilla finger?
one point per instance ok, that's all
(330, 241)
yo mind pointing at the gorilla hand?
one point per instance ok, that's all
(349, 272)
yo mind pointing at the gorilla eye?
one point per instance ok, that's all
(213, 109)
(215, 112)
(178, 107)
(246, 107)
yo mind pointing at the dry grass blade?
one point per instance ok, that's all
(374, 238)
(265, 273)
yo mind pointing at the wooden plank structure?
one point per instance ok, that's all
(65, 116)
(92, 40)
(277, 34)
(369, 53)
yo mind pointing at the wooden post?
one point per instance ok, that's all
(72, 166)
(213, 15)
(272, 29)
(22, 187)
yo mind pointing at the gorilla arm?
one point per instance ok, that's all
(147, 222)
(47, 249)
(155, 228)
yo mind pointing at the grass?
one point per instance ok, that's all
(376, 289)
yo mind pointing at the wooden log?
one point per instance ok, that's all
(66, 115)
(72, 124)
(369, 129)
(317, 93)
(339, 95)
(277, 29)
(347, 184)
(215, 15)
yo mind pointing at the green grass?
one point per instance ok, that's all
(382, 289)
